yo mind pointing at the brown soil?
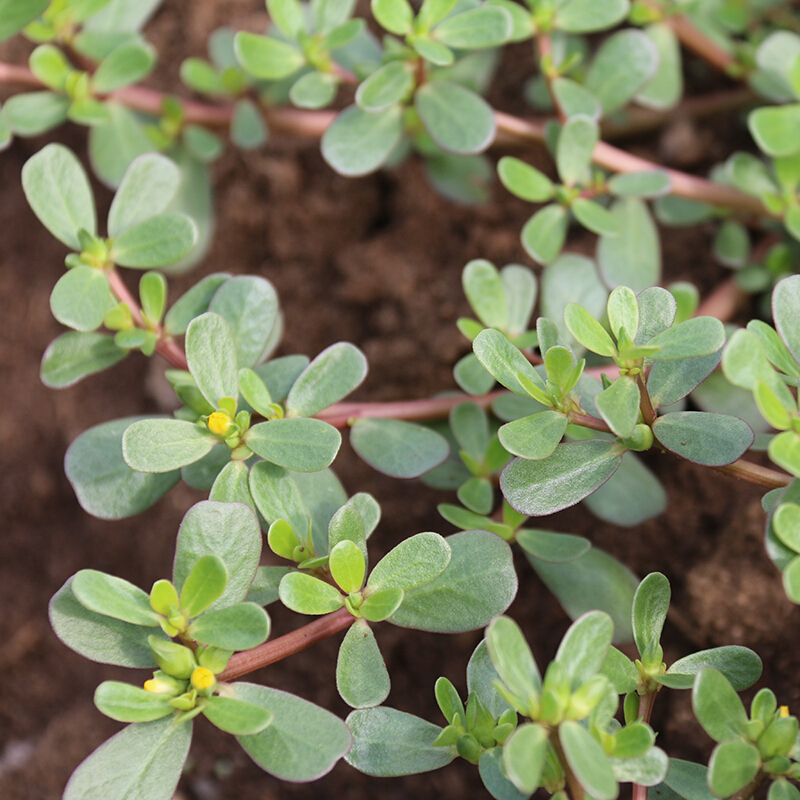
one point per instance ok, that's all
(376, 261)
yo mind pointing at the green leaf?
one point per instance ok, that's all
(732, 244)
(535, 436)
(382, 603)
(277, 496)
(435, 52)
(303, 742)
(665, 88)
(113, 597)
(775, 129)
(15, 15)
(786, 524)
(81, 298)
(630, 496)
(525, 181)
(153, 295)
(647, 183)
(204, 584)
(572, 472)
(785, 299)
(194, 303)
(478, 583)
(113, 146)
(155, 242)
(543, 235)
(387, 742)
(588, 331)
(357, 143)
(229, 531)
(593, 581)
(512, 658)
(457, 119)
(163, 445)
(388, 85)
(238, 627)
(96, 636)
(143, 760)
(347, 565)
(212, 359)
(487, 26)
(265, 585)
(576, 141)
(58, 191)
(49, 64)
(619, 405)
(361, 676)
(505, 362)
(236, 716)
(740, 666)
(396, 448)
(104, 484)
(633, 257)
(412, 563)
(202, 144)
(717, 706)
(634, 740)
(650, 605)
(699, 336)
(288, 16)
(594, 217)
(306, 594)
(485, 292)
(267, 58)
(585, 16)
(732, 766)
(332, 375)
(249, 304)
(33, 113)
(625, 62)
(705, 438)
(670, 381)
(584, 647)
(127, 703)
(303, 445)
(587, 761)
(248, 130)
(551, 546)
(147, 187)
(394, 15)
(524, 756)
(124, 65)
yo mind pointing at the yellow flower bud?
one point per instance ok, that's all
(784, 711)
(203, 678)
(218, 423)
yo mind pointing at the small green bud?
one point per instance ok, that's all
(631, 707)
(468, 748)
(175, 659)
(449, 736)
(213, 658)
(587, 697)
(170, 630)
(501, 733)
(185, 702)
(764, 705)
(162, 683)
(641, 439)
(508, 717)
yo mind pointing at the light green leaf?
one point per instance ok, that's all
(347, 565)
(306, 594)
(163, 445)
(524, 756)
(478, 583)
(650, 605)
(625, 62)
(212, 359)
(784, 450)
(717, 706)
(699, 336)
(357, 143)
(485, 292)
(588, 331)
(248, 130)
(33, 113)
(487, 26)
(586, 16)
(551, 546)
(594, 217)
(633, 257)
(584, 647)
(512, 658)
(235, 716)
(740, 666)
(543, 235)
(104, 484)
(127, 703)
(785, 299)
(249, 304)
(113, 597)
(388, 85)
(504, 361)
(665, 88)
(267, 58)
(732, 244)
(155, 242)
(575, 99)
(587, 761)
(458, 120)
(775, 129)
(361, 675)
(535, 436)
(647, 183)
(524, 181)
(412, 563)
(396, 448)
(435, 52)
(147, 187)
(229, 531)
(313, 90)
(144, 760)
(204, 584)
(703, 437)
(381, 604)
(288, 16)
(394, 15)
(15, 15)
(277, 496)
(619, 405)
(387, 742)
(81, 298)
(303, 445)
(237, 627)
(593, 581)
(113, 146)
(303, 742)
(58, 191)
(576, 141)
(732, 766)
(124, 65)
(194, 303)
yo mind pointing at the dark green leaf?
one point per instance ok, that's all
(717, 706)
(155, 242)
(588, 761)
(357, 143)
(740, 665)
(237, 627)
(396, 448)
(732, 766)
(705, 438)
(551, 546)
(544, 233)
(113, 597)
(361, 675)
(303, 445)
(81, 298)
(74, 355)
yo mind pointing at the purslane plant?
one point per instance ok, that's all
(605, 371)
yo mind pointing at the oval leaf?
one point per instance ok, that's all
(397, 448)
(705, 438)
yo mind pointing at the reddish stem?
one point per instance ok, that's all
(696, 41)
(287, 645)
(753, 473)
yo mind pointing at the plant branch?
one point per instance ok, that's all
(575, 789)
(753, 473)
(747, 791)
(287, 645)
(696, 41)
(646, 704)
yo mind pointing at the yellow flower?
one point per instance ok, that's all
(203, 678)
(218, 423)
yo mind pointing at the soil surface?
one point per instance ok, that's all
(375, 261)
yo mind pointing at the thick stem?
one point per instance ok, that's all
(287, 645)
(753, 473)
(575, 789)
(588, 421)
(696, 41)
(747, 791)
